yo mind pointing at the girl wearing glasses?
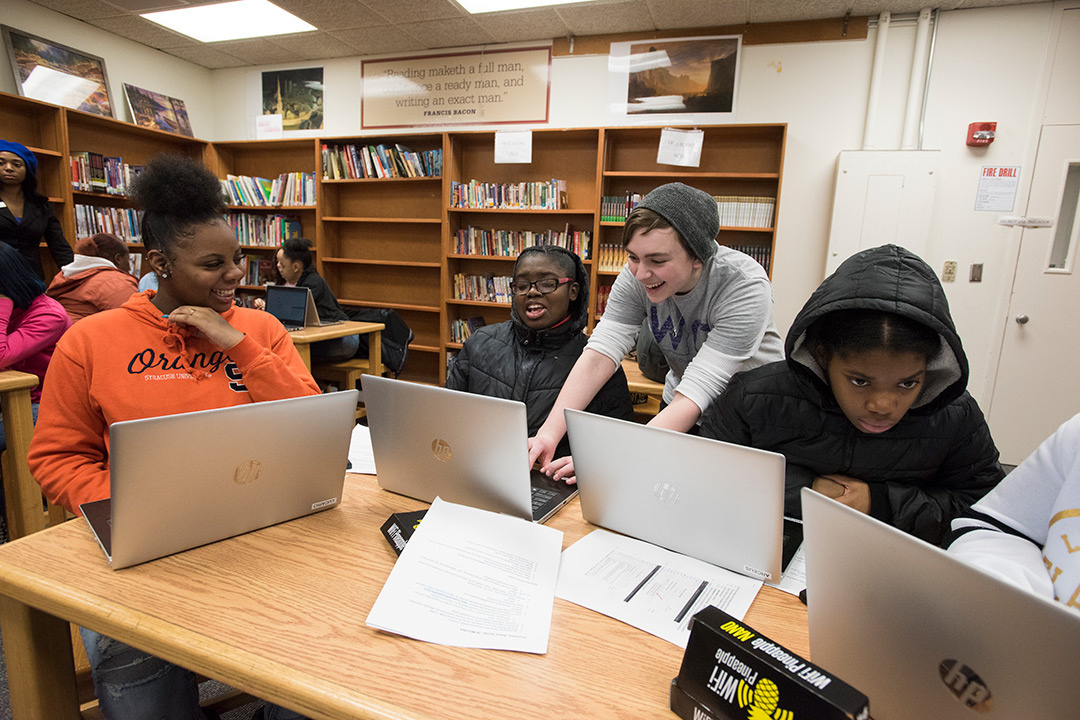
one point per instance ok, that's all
(709, 308)
(529, 357)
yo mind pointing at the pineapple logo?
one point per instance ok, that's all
(761, 700)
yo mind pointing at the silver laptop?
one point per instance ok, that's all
(924, 635)
(241, 468)
(711, 500)
(294, 307)
(469, 449)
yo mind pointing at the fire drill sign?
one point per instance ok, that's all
(997, 188)
(484, 88)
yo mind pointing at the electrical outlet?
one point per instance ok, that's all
(976, 272)
(949, 273)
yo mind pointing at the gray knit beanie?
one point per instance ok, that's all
(691, 212)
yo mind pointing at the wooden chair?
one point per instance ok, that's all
(25, 515)
(346, 373)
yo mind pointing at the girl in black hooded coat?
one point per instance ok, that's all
(870, 406)
(528, 357)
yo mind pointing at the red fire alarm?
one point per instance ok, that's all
(981, 134)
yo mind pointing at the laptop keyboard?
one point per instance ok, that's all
(540, 497)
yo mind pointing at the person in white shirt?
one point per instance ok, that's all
(1026, 531)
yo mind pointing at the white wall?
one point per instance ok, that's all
(987, 65)
(125, 62)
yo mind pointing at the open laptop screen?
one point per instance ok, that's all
(287, 304)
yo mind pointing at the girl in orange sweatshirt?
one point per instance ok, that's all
(184, 348)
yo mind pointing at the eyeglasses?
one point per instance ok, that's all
(543, 286)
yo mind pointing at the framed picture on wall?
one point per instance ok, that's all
(689, 79)
(156, 111)
(55, 73)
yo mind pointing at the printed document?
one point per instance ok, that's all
(473, 578)
(361, 456)
(646, 586)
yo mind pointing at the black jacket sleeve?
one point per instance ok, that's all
(61, 251)
(970, 471)
(457, 370)
(613, 399)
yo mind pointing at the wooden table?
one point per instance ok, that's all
(280, 613)
(304, 337)
(641, 385)
(23, 494)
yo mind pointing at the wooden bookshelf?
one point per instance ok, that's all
(566, 155)
(380, 242)
(391, 242)
(736, 160)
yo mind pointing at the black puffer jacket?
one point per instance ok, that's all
(511, 361)
(922, 472)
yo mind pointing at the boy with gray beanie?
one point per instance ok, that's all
(708, 307)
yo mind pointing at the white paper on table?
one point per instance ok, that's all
(361, 455)
(793, 581)
(473, 578)
(643, 585)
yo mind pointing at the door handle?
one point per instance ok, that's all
(1022, 319)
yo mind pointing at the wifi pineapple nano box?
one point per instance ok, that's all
(732, 672)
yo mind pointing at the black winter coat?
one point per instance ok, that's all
(326, 305)
(511, 361)
(938, 460)
(38, 223)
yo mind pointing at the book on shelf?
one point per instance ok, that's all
(741, 211)
(761, 253)
(93, 172)
(262, 230)
(603, 292)
(616, 208)
(612, 258)
(353, 162)
(549, 195)
(509, 243)
(134, 265)
(124, 223)
(483, 288)
(289, 189)
(462, 329)
(260, 270)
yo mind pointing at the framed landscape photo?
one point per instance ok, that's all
(156, 111)
(46, 70)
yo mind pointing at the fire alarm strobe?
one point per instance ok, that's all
(981, 134)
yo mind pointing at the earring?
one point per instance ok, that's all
(164, 275)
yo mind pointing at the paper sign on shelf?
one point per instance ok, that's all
(513, 146)
(268, 126)
(680, 147)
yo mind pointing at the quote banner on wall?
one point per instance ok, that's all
(477, 88)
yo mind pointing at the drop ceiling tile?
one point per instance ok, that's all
(257, 51)
(410, 11)
(207, 56)
(379, 40)
(80, 9)
(316, 45)
(452, 32)
(337, 14)
(523, 25)
(142, 31)
(674, 14)
(605, 18)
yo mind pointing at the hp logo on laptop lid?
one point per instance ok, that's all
(440, 449)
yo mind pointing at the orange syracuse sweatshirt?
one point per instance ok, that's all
(130, 363)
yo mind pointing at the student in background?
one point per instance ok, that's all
(182, 349)
(294, 266)
(709, 307)
(97, 279)
(26, 217)
(1026, 530)
(528, 357)
(871, 405)
(30, 324)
